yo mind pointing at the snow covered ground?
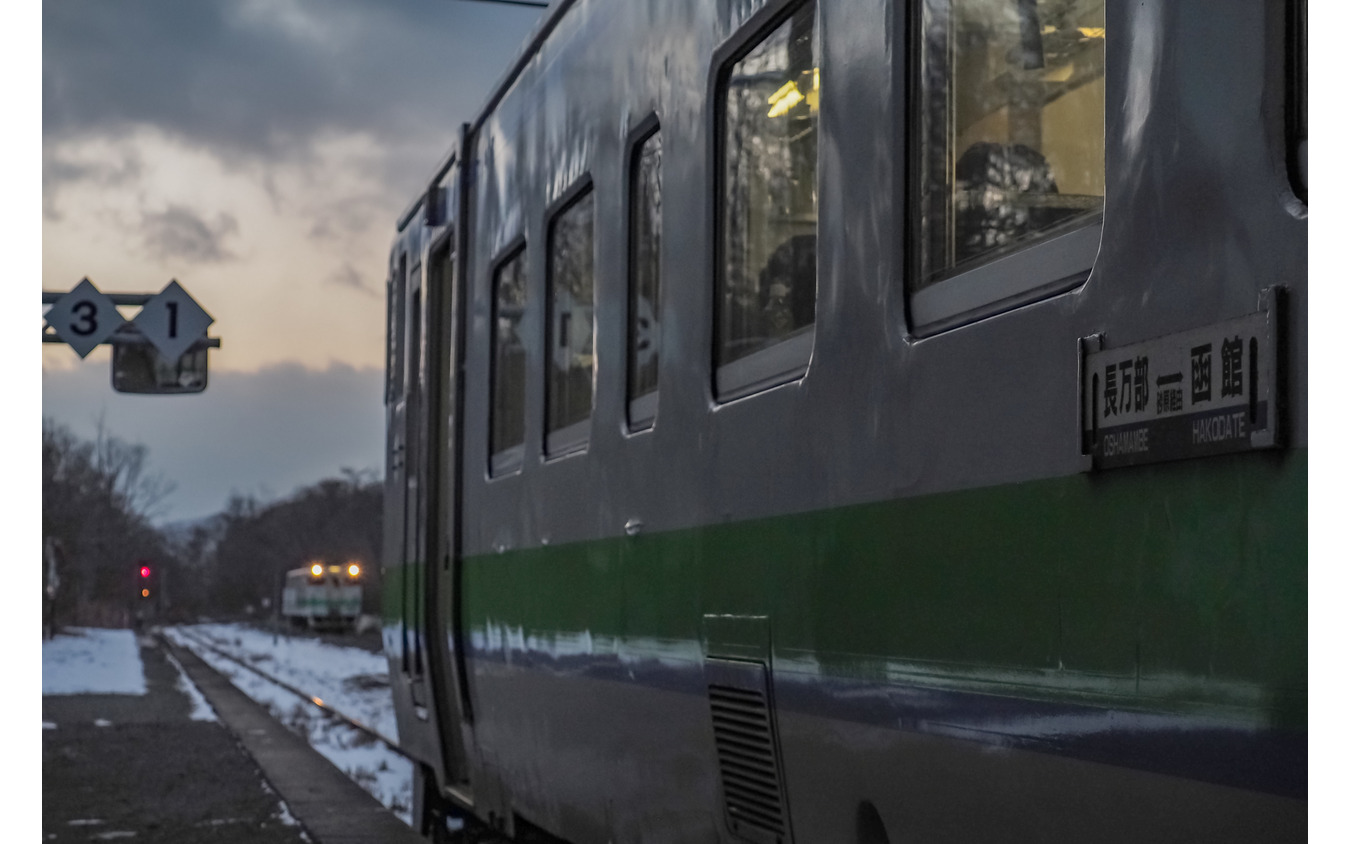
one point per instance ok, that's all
(352, 681)
(92, 661)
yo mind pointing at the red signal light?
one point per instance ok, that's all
(145, 571)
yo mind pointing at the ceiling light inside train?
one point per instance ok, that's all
(784, 99)
(316, 570)
(353, 570)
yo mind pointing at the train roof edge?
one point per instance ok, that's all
(531, 46)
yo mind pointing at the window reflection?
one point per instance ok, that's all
(644, 295)
(771, 101)
(571, 323)
(507, 434)
(1012, 125)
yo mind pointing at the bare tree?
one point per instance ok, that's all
(96, 500)
(123, 466)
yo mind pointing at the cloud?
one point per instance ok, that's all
(347, 276)
(280, 428)
(339, 221)
(58, 171)
(257, 150)
(265, 78)
(180, 233)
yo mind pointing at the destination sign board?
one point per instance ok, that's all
(1206, 391)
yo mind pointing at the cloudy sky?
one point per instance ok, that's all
(259, 152)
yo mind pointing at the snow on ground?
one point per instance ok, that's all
(86, 660)
(351, 680)
(201, 710)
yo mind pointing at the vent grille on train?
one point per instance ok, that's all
(747, 757)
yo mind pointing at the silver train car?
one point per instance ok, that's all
(322, 596)
(859, 421)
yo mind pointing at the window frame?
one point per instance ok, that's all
(1055, 263)
(1296, 96)
(574, 438)
(390, 339)
(510, 460)
(789, 358)
(398, 308)
(640, 411)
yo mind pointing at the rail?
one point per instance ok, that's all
(313, 700)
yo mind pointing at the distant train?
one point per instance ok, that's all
(860, 421)
(322, 596)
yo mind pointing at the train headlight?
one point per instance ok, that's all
(316, 570)
(353, 570)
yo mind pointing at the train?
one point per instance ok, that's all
(853, 421)
(322, 596)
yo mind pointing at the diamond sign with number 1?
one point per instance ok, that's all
(172, 320)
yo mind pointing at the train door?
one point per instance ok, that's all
(395, 487)
(412, 597)
(423, 631)
(409, 505)
(444, 299)
(432, 661)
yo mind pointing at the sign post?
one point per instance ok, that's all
(161, 351)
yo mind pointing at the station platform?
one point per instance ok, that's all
(139, 768)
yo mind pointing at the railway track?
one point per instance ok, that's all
(313, 700)
(458, 831)
(340, 783)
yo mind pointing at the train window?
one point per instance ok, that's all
(1011, 146)
(1298, 98)
(766, 286)
(417, 380)
(389, 318)
(394, 368)
(507, 428)
(571, 326)
(644, 281)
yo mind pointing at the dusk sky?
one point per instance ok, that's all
(259, 152)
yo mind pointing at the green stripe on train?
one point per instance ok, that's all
(1175, 586)
(392, 597)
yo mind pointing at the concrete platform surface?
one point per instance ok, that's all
(137, 768)
(332, 808)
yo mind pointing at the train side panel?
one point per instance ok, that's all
(959, 629)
